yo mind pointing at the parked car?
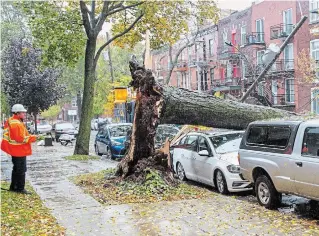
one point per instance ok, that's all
(94, 123)
(43, 127)
(210, 158)
(281, 157)
(110, 140)
(163, 132)
(63, 128)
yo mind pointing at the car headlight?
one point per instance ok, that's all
(233, 169)
(115, 143)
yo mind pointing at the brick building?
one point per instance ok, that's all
(212, 65)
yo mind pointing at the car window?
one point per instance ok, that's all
(203, 144)
(119, 130)
(219, 140)
(43, 122)
(229, 146)
(310, 145)
(191, 142)
(182, 141)
(257, 135)
(102, 132)
(64, 126)
(273, 137)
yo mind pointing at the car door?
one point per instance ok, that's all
(187, 156)
(306, 168)
(203, 166)
(100, 141)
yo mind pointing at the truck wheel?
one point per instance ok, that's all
(266, 193)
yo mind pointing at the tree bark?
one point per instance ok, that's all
(82, 144)
(163, 104)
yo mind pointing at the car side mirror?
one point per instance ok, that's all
(203, 153)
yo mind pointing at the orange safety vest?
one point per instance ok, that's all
(16, 139)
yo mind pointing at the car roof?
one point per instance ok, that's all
(278, 122)
(312, 122)
(216, 133)
(118, 124)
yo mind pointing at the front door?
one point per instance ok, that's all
(203, 165)
(307, 165)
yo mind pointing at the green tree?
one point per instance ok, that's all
(166, 20)
(51, 113)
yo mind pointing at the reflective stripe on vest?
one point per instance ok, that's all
(6, 134)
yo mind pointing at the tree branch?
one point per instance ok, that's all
(115, 37)
(111, 12)
(92, 15)
(85, 18)
(102, 17)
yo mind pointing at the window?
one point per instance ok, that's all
(259, 57)
(204, 82)
(243, 35)
(191, 143)
(310, 145)
(203, 145)
(243, 68)
(74, 102)
(211, 47)
(225, 39)
(260, 30)
(182, 140)
(290, 91)
(313, 6)
(314, 52)
(287, 20)
(315, 101)
(229, 70)
(289, 57)
(211, 76)
(274, 137)
(119, 130)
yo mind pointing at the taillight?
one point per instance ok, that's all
(238, 157)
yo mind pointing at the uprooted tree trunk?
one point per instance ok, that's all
(169, 105)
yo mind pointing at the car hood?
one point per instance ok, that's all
(231, 157)
(44, 127)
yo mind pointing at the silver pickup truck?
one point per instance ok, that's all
(281, 157)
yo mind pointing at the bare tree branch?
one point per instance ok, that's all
(85, 18)
(115, 37)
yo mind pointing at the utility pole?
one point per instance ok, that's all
(110, 59)
(282, 47)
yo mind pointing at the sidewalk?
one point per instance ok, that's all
(80, 214)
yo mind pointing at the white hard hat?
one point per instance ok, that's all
(18, 108)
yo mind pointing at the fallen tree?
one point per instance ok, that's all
(156, 103)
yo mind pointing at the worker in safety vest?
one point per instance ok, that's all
(17, 143)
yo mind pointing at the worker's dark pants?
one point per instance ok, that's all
(18, 173)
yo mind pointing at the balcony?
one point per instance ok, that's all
(280, 30)
(282, 65)
(255, 38)
(181, 66)
(229, 54)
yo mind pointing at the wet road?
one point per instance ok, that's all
(237, 214)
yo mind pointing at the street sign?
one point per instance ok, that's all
(72, 112)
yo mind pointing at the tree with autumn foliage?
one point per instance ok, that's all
(166, 21)
(307, 68)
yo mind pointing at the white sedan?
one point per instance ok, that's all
(210, 158)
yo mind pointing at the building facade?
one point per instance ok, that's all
(226, 58)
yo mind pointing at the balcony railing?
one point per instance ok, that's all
(282, 65)
(280, 30)
(228, 54)
(255, 38)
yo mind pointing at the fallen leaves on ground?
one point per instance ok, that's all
(25, 214)
(81, 158)
(154, 189)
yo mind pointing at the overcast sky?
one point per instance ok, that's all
(234, 4)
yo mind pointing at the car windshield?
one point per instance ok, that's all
(43, 122)
(65, 126)
(226, 143)
(119, 130)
